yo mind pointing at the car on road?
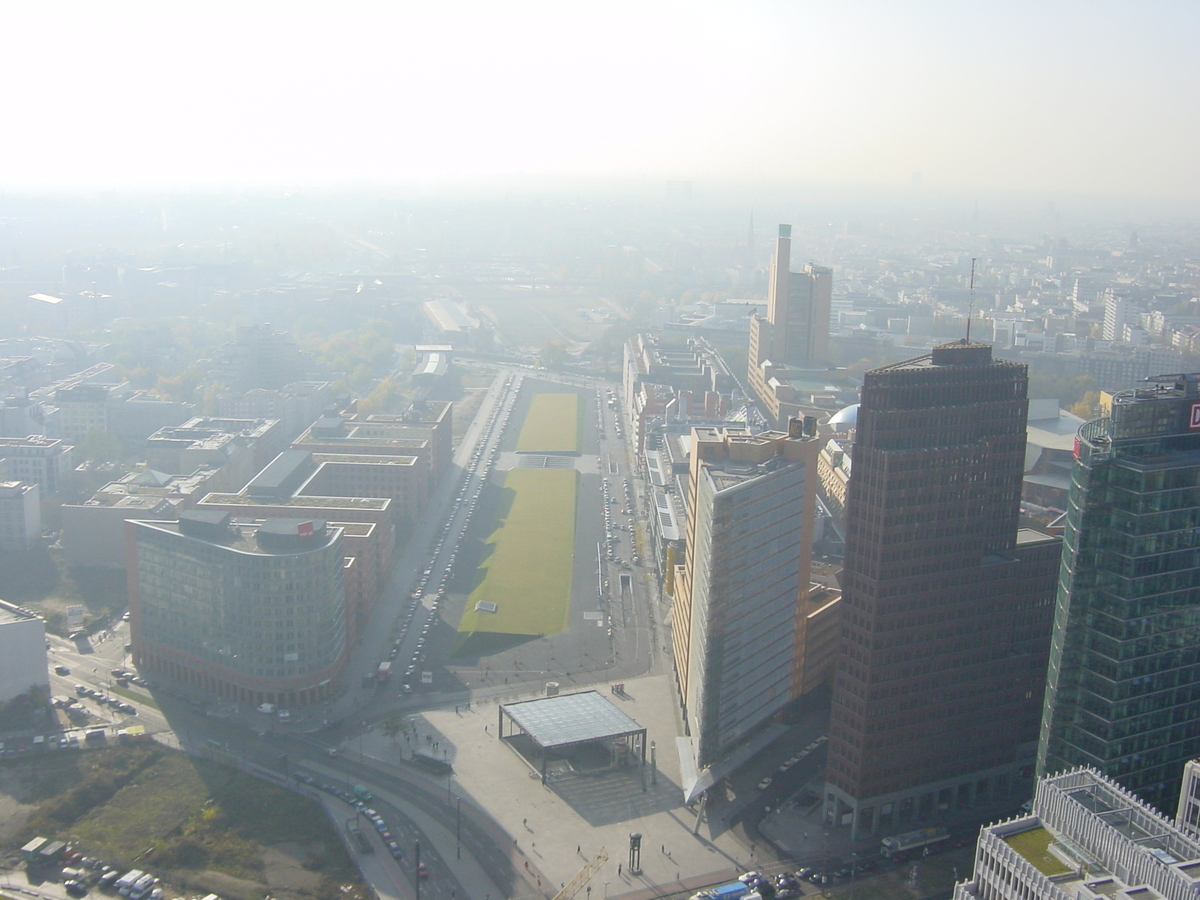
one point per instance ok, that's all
(61, 670)
(422, 871)
(765, 783)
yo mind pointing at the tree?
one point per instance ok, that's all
(392, 724)
(1088, 406)
(381, 398)
(208, 406)
(553, 355)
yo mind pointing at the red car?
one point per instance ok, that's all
(422, 872)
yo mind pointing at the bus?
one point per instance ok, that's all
(900, 846)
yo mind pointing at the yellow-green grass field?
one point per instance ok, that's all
(551, 425)
(527, 571)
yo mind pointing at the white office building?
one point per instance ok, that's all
(23, 663)
(1086, 838)
(20, 516)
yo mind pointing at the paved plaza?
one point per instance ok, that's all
(560, 826)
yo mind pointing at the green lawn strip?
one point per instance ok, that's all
(528, 573)
(1034, 845)
(551, 425)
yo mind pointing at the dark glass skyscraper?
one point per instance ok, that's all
(946, 604)
(1123, 693)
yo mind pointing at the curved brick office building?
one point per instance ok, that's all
(251, 611)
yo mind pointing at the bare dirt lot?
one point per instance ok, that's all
(196, 825)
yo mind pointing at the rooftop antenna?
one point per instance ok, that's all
(971, 303)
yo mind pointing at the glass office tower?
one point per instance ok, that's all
(1123, 693)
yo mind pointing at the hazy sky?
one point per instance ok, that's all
(1089, 96)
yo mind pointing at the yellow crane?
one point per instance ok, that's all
(583, 876)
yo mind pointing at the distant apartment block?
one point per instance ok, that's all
(44, 461)
(833, 468)
(238, 448)
(83, 408)
(296, 405)
(384, 437)
(93, 400)
(1116, 315)
(133, 418)
(252, 611)
(21, 416)
(689, 364)
(1120, 366)
(20, 516)
(258, 357)
(93, 532)
(424, 418)
(23, 662)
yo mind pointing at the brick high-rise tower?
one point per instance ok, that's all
(946, 605)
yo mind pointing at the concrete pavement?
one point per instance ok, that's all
(559, 827)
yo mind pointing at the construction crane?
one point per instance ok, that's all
(583, 876)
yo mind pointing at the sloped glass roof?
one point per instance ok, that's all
(570, 719)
